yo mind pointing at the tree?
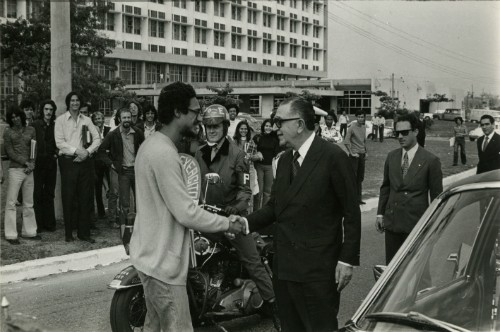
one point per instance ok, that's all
(26, 43)
(223, 96)
(438, 98)
(305, 94)
(388, 105)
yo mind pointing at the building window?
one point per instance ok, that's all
(254, 105)
(267, 62)
(236, 13)
(236, 41)
(200, 6)
(354, 100)
(219, 8)
(11, 8)
(252, 16)
(199, 74)
(102, 69)
(316, 55)
(234, 75)
(200, 54)
(236, 58)
(281, 23)
(305, 5)
(156, 29)
(132, 24)
(250, 76)
(316, 31)
(180, 3)
(220, 56)
(179, 32)
(267, 46)
(154, 72)
(305, 29)
(293, 51)
(280, 63)
(252, 44)
(293, 65)
(306, 67)
(305, 53)
(316, 8)
(130, 72)
(293, 26)
(200, 36)
(251, 60)
(280, 49)
(268, 20)
(178, 73)
(219, 38)
(180, 51)
(153, 48)
(293, 3)
(217, 75)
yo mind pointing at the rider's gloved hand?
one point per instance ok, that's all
(231, 210)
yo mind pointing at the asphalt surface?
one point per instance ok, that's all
(79, 301)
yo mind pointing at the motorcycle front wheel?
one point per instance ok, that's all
(128, 310)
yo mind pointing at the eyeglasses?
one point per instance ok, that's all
(197, 112)
(402, 132)
(279, 121)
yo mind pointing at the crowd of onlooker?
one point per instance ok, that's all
(93, 159)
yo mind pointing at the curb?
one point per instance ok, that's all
(59, 264)
(101, 257)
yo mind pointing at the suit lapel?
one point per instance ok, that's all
(416, 165)
(305, 170)
(395, 164)
(491, 143)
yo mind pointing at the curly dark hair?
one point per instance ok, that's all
(237, 136)
(15, 110)
(71, 94)
(51, 103)
(409, 117)
(175, 96)
(150, 108)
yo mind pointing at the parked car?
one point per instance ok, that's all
(446, 276)
(437, 114)
(478, 132)
(451, 114)
(388, 129)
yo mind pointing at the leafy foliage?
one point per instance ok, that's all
(389, 106)
(26, 42)
(223, 96)
(305, 94)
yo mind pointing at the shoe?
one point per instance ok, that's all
(70, 239)
(36, 237)
(362, 203)
(13, 241)
(87, 239)
(270, 309)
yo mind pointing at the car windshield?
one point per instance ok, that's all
(450, 272)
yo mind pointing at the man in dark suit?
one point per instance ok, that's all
(488, 146)
(101, 169)
(412, 175)
(314, 205)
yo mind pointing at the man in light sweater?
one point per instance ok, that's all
(159, 247)
(355, 142)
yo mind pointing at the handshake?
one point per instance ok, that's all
(237, 225)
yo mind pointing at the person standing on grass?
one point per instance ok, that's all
(381, 126)
(355, 143)
(343, 120)
(17, 141)
(459, 132)
(46, 168)
(75, 147)
(412, 179)
(123, 144)
(488, 146)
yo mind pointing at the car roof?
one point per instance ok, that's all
(492, 176)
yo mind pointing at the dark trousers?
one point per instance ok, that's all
(101, 173)
(381, 133)
(126, 182)
(45, 175)
(76, 186)
(307, 307)
(374, 132)
(459, 144)
(343, 129)
(358, 165)
(393, 241)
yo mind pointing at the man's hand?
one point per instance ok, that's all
(379, 224)
(343, 275)
(81, 155)
(236, 226)
(355, 155)
(231, 210)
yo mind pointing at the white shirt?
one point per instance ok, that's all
(411, 154)
(149, 130)
(490, 137)
(232, 127)
(304, 148)
(343, 119)
(68, 134)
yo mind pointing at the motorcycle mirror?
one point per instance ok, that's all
(212, 178)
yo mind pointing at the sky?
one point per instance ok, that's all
(450, 43)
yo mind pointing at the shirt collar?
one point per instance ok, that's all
(68, 115)
(490, 136)
(411, 153)
(132, 131)
(304, 148)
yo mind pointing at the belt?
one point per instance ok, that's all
(67, 157)
(127, 167)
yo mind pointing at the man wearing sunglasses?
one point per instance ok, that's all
(411, 175)
(317, 222)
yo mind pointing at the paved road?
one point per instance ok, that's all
(79, 301)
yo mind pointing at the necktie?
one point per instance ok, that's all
(406, 165)
(295, 164)
(485, 144)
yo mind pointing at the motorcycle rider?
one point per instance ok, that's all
(233, 194)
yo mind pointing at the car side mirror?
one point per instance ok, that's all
(378, 270)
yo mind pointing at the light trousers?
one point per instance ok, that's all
(19, 180)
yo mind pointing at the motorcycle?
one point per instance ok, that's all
(218, 286)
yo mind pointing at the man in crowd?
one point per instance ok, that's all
(381, 126)
(101, 169)
(343, 120)
(136, 110)
(233, 111)
(421, 129)
(76, 173)
(412, 175)
(159, 248)
(29, 109)
(355, 142)
(315, 211)
(488, 146)
(123, 144)
(220, 155)
(46, 168)
(150, 125)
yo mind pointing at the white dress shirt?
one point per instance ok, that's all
(68, 134)
(411, 154)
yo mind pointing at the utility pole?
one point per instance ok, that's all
(392, 86)
(60, 68)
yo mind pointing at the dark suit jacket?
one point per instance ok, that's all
(45, 140)
(318, 221)
(111, 148)
(403, 201)
(489, 159)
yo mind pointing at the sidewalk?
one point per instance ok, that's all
(106, 256)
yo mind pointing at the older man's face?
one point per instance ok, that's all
(289, 128)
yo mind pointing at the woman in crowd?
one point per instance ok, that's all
(268, 145)
(17, 140)
(459, 132)
(136, 110)
(150, 124)
(243, 139)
